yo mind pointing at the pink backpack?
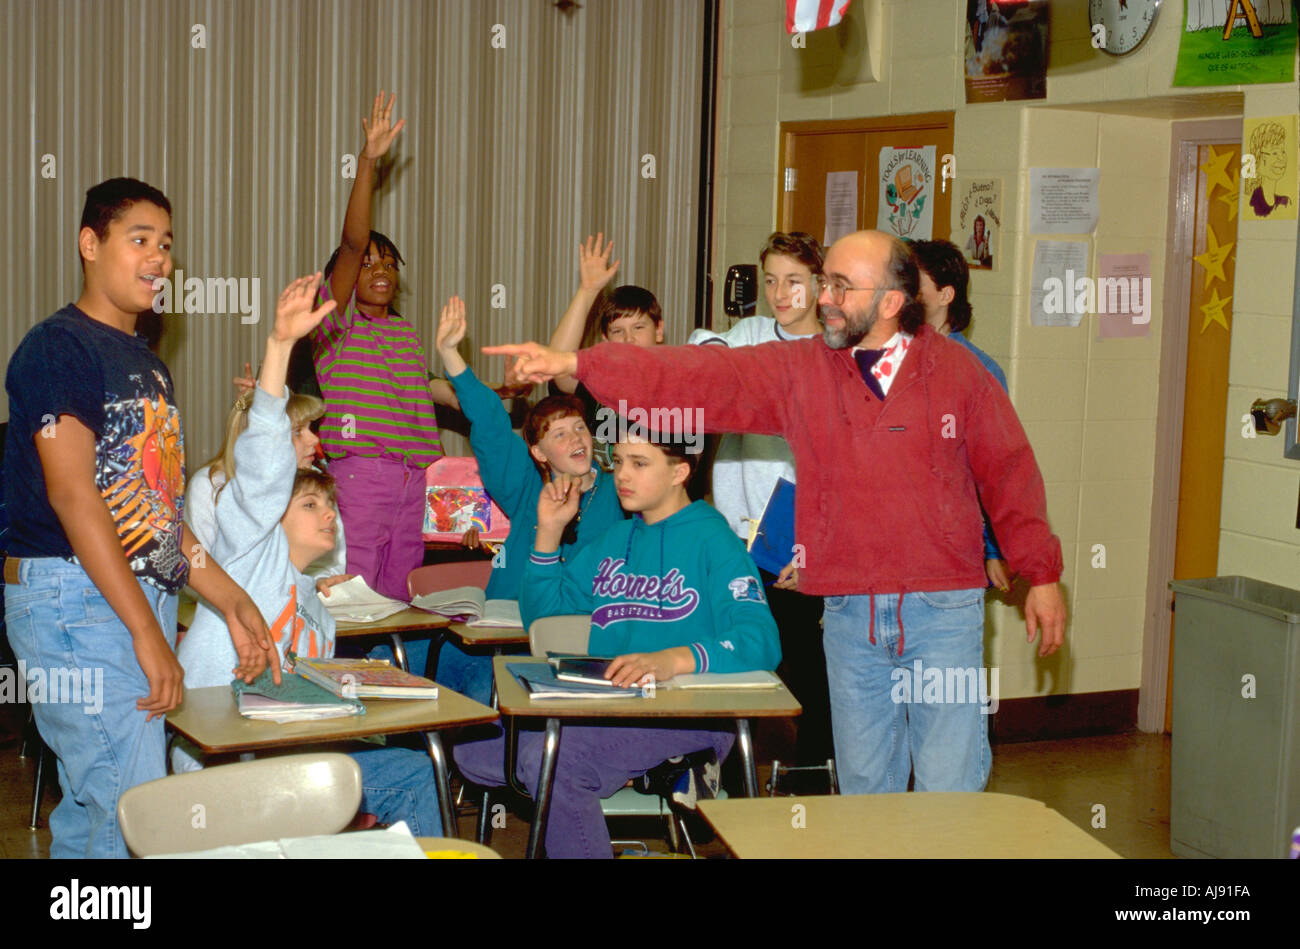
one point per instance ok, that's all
(455, 500)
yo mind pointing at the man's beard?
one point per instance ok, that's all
(853, 331)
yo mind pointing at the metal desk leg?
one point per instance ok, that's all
(748, 770)
(399, 651)
(485, 804)
(545, 779)
(436, 639)
(443, 782)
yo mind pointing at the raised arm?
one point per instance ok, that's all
(746, 389)
(594, 272)
(380, 133)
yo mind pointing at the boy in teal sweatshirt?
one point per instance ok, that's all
(670, 591)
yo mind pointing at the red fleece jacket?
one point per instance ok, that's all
(889, 492)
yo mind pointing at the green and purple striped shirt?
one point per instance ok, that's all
(375, 381)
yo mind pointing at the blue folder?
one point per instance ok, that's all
(774, 541)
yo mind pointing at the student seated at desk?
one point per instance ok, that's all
(270, 525)
(556, 443)
(670, 591)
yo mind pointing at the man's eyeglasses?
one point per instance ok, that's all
(838, 289)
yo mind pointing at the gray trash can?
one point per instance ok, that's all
(1235, 769)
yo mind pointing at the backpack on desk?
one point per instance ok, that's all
(455, 500)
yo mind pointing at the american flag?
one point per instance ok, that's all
(804, 15)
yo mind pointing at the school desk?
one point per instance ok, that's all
(739, 705)
(409, 620)
(210, 718)
(907, 825)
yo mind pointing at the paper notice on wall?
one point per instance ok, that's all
(1123, 295)
(1058, 268)
(1063, 200)
(841, 205)
(905, 199)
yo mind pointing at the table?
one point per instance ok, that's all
(738, 704)
(409, 620)
(210, 718)
(907, 825)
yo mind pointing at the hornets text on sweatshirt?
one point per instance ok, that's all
(684, 581)
(512, 479)
(251, 546)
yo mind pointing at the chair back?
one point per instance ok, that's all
(232, 804)
(448, 576)
(559, 634)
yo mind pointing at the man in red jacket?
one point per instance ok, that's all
(898, 435)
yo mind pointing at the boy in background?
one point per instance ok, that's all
(98, 548)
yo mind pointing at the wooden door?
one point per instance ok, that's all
(812, 150)
(1205, 399)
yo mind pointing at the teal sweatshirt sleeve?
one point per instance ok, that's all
(744, 634)
(504, 463)
(253, 502)
(552, 588)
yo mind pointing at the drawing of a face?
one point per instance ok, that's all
(1272, 162)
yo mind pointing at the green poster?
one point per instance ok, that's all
(1231, 42)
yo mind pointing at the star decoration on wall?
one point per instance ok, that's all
(1213, 311)
(1230, 199)
(1213, 259)
(1216, 171)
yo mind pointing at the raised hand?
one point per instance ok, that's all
(246, 383)
(451, 325)
(380, 131)
(534, 362)
(556, 506)
(594, 269)
(294, 317)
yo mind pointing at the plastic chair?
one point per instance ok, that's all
(448, 576)
(228, 805)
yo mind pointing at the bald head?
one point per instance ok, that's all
(880, 283)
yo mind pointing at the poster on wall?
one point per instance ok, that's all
(978, 226)
(1064, 200)
(906, 195)
(1268, 168)
(1006, 50)
(1227, 42)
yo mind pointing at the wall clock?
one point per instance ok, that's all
(1120, 26)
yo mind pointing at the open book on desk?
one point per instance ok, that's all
(472, 604)
(354, 602)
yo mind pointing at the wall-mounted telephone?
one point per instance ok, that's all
(741, 295)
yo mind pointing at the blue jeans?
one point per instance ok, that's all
(397, 784)
(884, 730)
(58, 620)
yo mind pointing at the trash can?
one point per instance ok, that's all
(1235, 768)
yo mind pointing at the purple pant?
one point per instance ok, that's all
(381, 503)
(593, 763)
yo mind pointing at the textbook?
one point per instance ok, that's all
(294, 700)
(470, 603)
(539, 681)
(365, 678)
(588, 669)
(773, 545)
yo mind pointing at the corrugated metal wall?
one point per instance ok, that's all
(510, 155)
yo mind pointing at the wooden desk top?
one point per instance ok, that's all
(409, 620)
(925, 824)
(489, 636)
(209, 718)
(667, 703)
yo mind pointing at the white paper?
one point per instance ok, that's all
(395, 843)
(354, 602)
(1063, 200)
(841, 205)
(1063, 261)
